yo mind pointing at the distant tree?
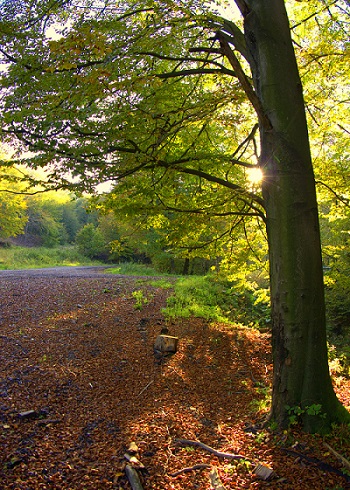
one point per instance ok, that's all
(43, 227)
(85, 212)
(70, 221)
(90, 242)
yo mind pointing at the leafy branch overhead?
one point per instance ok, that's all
(90, 84)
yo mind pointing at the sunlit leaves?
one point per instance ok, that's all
(320, 31)
(322, 47)
(12, 204)
(102, 73)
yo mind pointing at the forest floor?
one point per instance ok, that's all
(79, 382)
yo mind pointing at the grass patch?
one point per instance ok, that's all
(133, 269)
(161, 283)
(39, 257)
(218, 300)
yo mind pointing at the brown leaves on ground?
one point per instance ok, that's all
(79, 382)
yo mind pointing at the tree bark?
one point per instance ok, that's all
(301, 376)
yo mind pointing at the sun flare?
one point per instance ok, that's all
(255, 175)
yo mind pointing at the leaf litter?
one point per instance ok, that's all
(80, 385)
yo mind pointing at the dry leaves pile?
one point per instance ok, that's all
(79, 383)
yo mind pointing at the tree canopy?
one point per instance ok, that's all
(142, 94)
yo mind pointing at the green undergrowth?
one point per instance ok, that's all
(15, 257)
(217, 300)
(162, 283)
(197, 296)
(210, 297)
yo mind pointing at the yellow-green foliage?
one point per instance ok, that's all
(217, 300)
(12, 206)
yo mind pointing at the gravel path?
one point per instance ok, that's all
(84, 271)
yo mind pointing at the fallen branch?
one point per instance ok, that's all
(344, 461)
(317, 462)
(219, 454)
(191, 468)
(260, 470)
(133, 478)
(134, 461)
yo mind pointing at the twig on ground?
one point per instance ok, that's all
(189, 469)
(317, 462)
(255, 381)
(145, 388)
(133, 478)
(344, 461)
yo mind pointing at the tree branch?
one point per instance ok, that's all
(342, 199)
(249, 90)
(191, 468)
(244, 144)
(206, 50)
(218, 180)
(207, 211)
(154, 54)
(313, 15)
(232, 34)
(33, 193)
(196, 71)
(344, 129)
(11, 58)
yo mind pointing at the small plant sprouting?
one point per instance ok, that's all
(189, 449)
(140, 299)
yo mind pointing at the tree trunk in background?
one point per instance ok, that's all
(186, 267)
(301, 375)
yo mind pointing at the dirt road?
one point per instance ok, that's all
(83, 271)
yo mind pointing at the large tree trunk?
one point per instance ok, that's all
(301, 374)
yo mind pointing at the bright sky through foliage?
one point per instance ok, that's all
(255, 175)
